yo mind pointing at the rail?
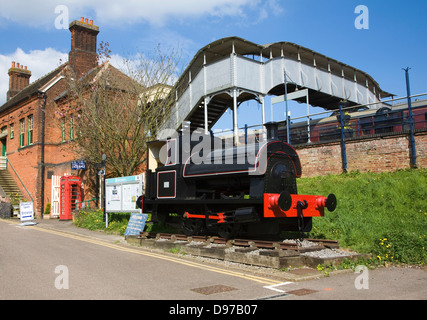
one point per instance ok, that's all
(25, 188)
(285, 244)
(304, 130)
(3, 163)
(85, 203)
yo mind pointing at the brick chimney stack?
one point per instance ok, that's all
(19, 78)
(82, 56)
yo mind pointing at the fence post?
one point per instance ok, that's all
(343, 146)
(411, 122)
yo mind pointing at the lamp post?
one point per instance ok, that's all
(342, 135)
(102, 174)
(411, 120)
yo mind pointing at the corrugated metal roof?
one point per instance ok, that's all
(223, 47)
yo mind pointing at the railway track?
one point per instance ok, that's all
(316, 244)
(265, 253)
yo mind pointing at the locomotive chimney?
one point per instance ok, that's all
(272, 130)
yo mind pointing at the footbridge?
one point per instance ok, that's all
(232, 70)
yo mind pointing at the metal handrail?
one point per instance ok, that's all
(29, 194)
(3, 163)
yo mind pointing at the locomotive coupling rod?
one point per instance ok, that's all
(219, 216)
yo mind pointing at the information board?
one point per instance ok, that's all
(121, 193)
(78, 165)
(136, 224)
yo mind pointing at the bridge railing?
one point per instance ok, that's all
(304, 130)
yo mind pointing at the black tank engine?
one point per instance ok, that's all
(229, 189)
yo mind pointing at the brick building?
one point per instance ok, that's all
(31, 137)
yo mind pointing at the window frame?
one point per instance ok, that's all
(30, 130)
(12, 131)
(22, 132)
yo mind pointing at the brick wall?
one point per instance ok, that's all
(23, 159)
(377, 154)
(27, 159)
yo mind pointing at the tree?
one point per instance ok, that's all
(116, 114)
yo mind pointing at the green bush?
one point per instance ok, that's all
(47, 209)
(93, 220)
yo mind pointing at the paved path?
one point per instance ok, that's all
(56, 260)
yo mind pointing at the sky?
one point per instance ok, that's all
(392, 34)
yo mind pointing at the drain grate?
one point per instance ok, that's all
(302, 292)
(213, 289)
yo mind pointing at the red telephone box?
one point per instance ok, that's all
(70, 194)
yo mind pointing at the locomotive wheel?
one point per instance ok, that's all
(228, 231)
(192, 227)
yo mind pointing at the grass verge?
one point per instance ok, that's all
(384, 214)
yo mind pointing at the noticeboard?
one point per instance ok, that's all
(121, 193)
(136, 224)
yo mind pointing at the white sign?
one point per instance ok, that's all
(26, 210)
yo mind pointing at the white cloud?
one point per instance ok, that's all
(39, 62)
(42, 12)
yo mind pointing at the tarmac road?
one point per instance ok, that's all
(55, 260)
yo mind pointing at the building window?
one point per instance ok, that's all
(12, 130)
(21, 132)
(71, 128)
(30, 130)
(63, 130)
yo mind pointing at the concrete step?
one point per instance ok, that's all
(9, 185)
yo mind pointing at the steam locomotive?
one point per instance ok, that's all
(226, 189)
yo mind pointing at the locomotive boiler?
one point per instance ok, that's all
(228, 189)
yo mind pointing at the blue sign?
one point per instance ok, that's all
(78, 165)
(136, 224)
